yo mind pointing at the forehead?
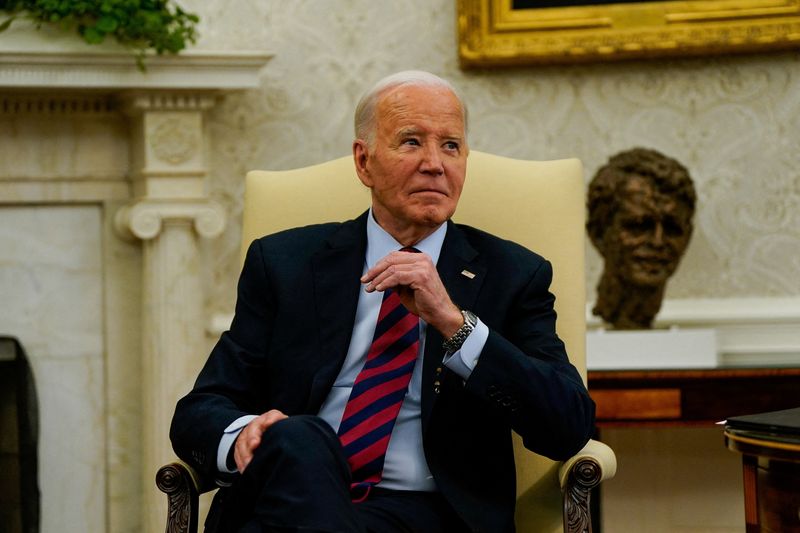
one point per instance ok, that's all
(420, 105)
(640, 195)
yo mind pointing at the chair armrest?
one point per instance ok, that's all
(595, 460)
(577, 476)
(182, 485)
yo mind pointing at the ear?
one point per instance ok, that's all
(360, 158)
(597, 236)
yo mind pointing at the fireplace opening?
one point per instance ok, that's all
(19, 436)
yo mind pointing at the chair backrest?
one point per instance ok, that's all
(539, 204)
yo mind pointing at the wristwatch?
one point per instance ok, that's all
(453, 344)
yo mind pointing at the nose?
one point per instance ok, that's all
(658, 233)
(431, 161)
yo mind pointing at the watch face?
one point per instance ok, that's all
(470, 318)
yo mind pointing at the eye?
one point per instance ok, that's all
(451, 145)
(637, 225)
(411, 141)
(673, 227)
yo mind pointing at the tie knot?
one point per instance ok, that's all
(409, 249)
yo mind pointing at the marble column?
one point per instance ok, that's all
(170, 212)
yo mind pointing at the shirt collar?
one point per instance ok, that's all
(380, 243)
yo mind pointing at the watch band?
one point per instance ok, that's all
(454, 343)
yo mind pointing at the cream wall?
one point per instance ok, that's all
(730, 120)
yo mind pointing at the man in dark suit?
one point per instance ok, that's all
(272, 412)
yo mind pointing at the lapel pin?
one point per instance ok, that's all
(468, 274)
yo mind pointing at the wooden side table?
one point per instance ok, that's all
(689, 398)
(771, 466)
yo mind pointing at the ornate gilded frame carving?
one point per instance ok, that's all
(495, 33)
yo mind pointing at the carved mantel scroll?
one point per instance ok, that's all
(144, 219)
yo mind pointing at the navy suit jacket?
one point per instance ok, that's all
(295, 312)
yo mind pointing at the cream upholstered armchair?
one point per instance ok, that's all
(539, 204)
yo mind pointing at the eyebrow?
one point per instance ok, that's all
(413, 131)
(405, 132)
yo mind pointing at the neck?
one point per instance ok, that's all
(627, 306)
(405, 234)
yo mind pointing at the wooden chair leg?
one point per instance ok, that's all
(176, 481)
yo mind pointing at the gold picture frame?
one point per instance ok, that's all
(496, 33)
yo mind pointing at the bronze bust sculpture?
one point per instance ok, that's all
(641, 205)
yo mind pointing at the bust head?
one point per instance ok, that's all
(641, 205)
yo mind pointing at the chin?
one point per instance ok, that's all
(432, 217)
(649, 280)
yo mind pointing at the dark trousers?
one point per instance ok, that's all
(299, 480)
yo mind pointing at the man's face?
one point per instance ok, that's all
(649, 234)
(417, 162)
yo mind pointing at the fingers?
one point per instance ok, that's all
(416, 281)
(399, 269)
(250, 437)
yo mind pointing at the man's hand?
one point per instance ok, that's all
(415, 279)
(250, 437)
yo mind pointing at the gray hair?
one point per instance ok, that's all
(365, 123)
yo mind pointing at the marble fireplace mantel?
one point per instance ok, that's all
(190, 71)
(150, 187)
(47, 58)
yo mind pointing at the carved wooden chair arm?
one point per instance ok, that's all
(182, 485)
(578, 475)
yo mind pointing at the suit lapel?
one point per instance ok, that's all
(336, 271)
(462, 271)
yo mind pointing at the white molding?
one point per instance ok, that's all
(118, 71)
(717, 311)
(750, 331)
(652, 349)
(48, 58)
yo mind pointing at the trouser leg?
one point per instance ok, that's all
(298, 480)
(392, 511)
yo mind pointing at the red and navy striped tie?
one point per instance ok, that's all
(378, 393)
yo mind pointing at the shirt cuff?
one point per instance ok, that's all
(227, 440)
(463, 361)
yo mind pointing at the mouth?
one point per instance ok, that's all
(652, 266)
(651, 258)
(429, 191)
